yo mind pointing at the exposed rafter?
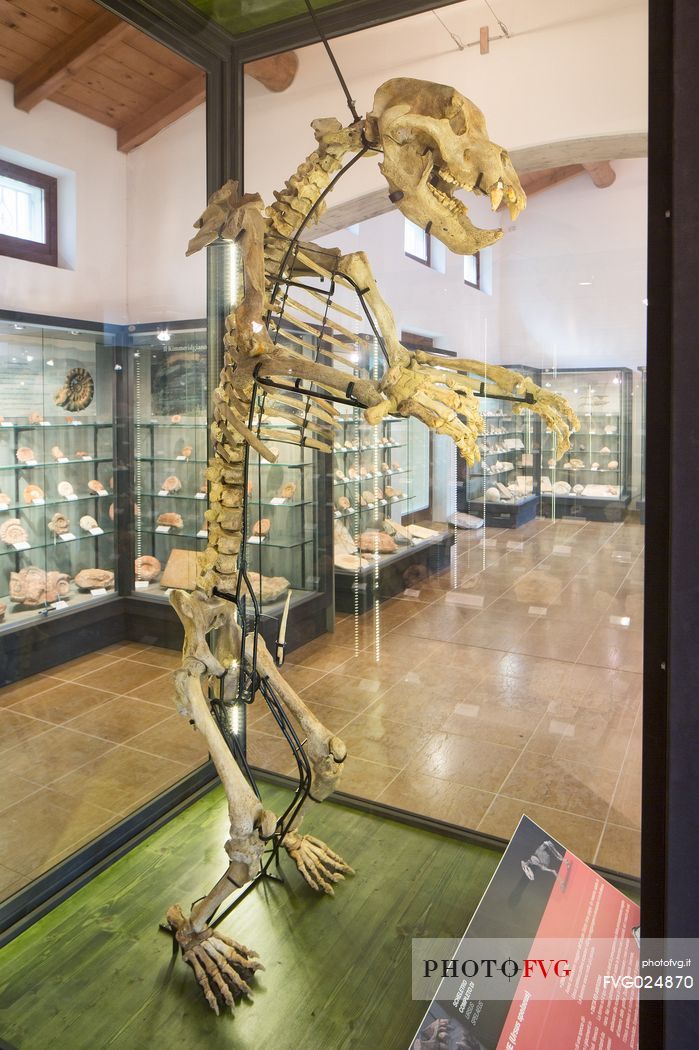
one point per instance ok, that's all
(49, 75)
(601, 173)
(162, 114)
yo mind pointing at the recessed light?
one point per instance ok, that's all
(50, 362)
(584, 284)
(29, 358)
(163, 335)
(19, 327)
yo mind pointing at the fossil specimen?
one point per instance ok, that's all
(57, 452)
(432, 142)
(35, 418)
(147, 567)
(89, 579)
(4, 498)
(269, 587)
(77, 391)
(186, 451)
(96, 486)
(262, 527)
(32, 586)
(64, 488)
(12, 531)
(25, 454)
(613, 464)
(59, 524)
(288, 491)
(171, 484)
(87, 522)
(375, 541)
(343, 503)
(176, 419)
(170, 518)
(81, 454)
(32, 492)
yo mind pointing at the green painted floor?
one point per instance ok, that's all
(97, 973)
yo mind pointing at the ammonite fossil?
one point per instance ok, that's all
(262, 527)
(369, 497)
(12, 531)
(96, 486)
(35, 417)
(147, 567)
(171, 519)
(32, 586)
(81, 454)
(4, 498)
(343, 503)
(171, 484)
(64, 488)
(288, 491)
(176, 419)
(187, 451)
(392, 493)
(59, 524)
(89, 579)
(33, 492)
(77, 391)
(87, 522)
(24, 454)
(57, 452)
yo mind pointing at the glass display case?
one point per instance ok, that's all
(503, 487)
(641, 502)
(170, 444)
(57, 549)
(593, 480)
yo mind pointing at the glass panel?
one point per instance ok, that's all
(485, 656)
(21, 210)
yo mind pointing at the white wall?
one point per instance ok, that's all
(166, 193)
(91, 282)
(568, 236)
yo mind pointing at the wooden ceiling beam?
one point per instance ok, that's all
(46, 77)
(277, 72)
(601, 173)
(161, 114)
(538, 181)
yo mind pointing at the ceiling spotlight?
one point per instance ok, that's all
(74, 331)
(28, 357)
(19, 327)
(163, 335)
(584, 284)
(50, 362)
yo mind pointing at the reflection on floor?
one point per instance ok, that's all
(509, 684)
(82, 746)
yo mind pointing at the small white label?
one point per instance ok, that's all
(29, 463)
(102, 492)
(200, 495)
(76, 422)
(255, 539)
(384, 502)
(514, 545)
(141, 585)
(97, 531)
(4, 506)
(6, 424)
(66, 536)
(537, 610)
(60, 604)
(278, 501)
(38, 502)
(72, 498)
(562, 550)
(44, 423)
(338, 513)
(162, 528)
(163, 492)
(474, 601)
(94, 591)
(410, 592)
(202, 534)
(62, 459)
(180, 458)
(21, 546)
(85, 459)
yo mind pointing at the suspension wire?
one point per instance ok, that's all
(351, 104)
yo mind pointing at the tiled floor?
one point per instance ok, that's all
(82, 746)
(511, 683)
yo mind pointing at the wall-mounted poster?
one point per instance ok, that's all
(547, 963)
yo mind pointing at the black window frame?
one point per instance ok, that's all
(427, 261)
(477, 285)
(45, 251)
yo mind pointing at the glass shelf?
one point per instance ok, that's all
(56, 543)
(55, 463)
(8, 424)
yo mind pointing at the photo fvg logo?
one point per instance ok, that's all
(510, 968)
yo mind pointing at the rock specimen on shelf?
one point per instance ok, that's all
(77, 391)
(604, 451)
(82, 454)
(186, 451)
(35, 418)
(25, 454)
(65, 489)
(180, 570)
(376, 542)
(32, 586)
(400, 533)
(344, 504)
(613, 464)
(59, 524)
(91, 579)
(269, 588)
(577, 489)
(171, 484)
(171, 519)
(262, 527)
(147, 567)
(4, 498)
(58, 453)
(32, 493)
(96, 486)
(176, 418)
(12, 531)
(288, 491)
(87, 522)
(562, 488)
(492, 495)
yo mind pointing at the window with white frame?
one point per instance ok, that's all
(28, 214)
(472, 270)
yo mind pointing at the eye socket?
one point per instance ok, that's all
(457, 122)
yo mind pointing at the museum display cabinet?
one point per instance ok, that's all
(641, 502)
(57, 459)
(593, 480)
(503, 486)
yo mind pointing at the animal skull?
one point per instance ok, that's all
(434, 142)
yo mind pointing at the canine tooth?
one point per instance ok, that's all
(496, 197)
